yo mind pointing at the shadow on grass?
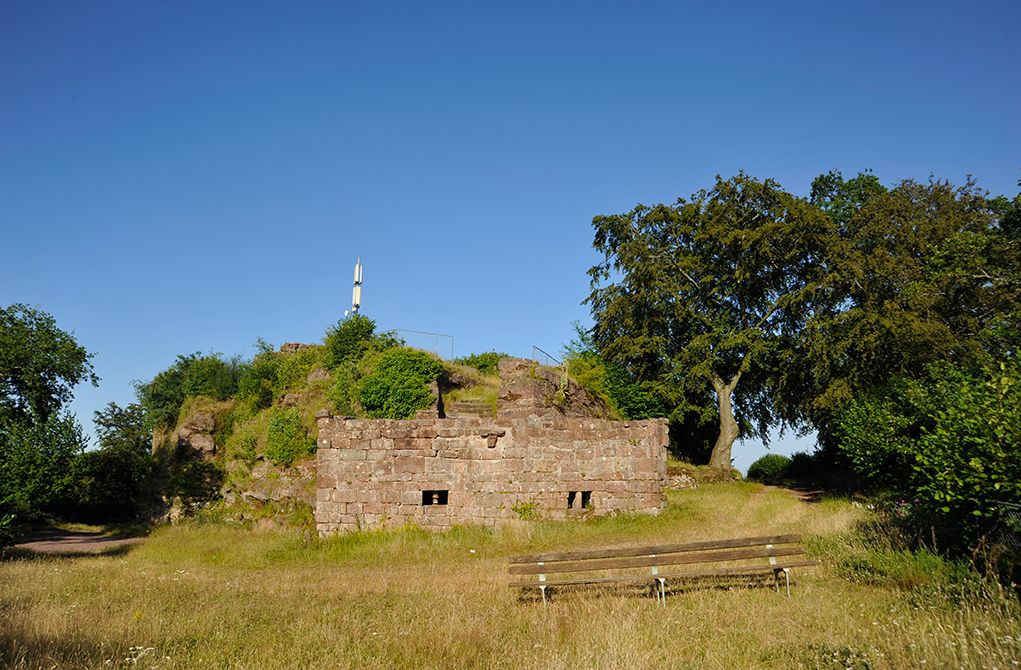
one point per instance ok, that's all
(22, 648)
(60, 543)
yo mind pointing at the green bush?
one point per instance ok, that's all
(258, 380)
(113, 484)
(951, 441)
(343, 390)
(36, 466)
(613, 384)
(294, 368)
(768, 468)
(287, 440)
(487, 362)
(348, 340)
(397, 387)
(190, 376)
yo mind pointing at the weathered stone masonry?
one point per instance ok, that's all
(435, 472)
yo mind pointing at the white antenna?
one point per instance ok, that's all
(356, 293)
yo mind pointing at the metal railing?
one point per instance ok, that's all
(543, 358)
(422, 339)
(1007, 528)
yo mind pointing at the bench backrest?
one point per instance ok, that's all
(737, 549)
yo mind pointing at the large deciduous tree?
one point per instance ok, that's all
(709, 293)
(918, 273)
(40, 364)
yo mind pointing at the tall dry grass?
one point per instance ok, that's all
(218, 597)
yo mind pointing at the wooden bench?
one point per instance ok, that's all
(748, 557)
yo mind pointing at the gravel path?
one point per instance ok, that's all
(74, 542)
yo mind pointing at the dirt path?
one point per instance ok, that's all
(803, 494)
(74, 542)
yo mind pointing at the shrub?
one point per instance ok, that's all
(293, 368)
(769, 468)
(258, 380)
(952, 441)
(36, 466)
(348, 340)
(189, 376)
(287, 440)
(113, 484)
(396, 389)
(343, 391)
(487, 362)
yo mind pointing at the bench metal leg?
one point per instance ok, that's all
(543, 590)
(787, 579)
(662, 591)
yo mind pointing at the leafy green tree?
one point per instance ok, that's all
(40, 365)
(349, 339)
(115, 482)
(707, 294)
(918, 273)
(191, 375)
(949, 439)
(36, 465)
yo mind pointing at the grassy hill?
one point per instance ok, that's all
(208, 595)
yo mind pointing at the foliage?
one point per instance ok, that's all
(397, 387)
(344, 389)
(114, 483)
(699, 295)
(287, 440)
(123, 428)
(952, 440)
(768, 468)
(918, 273)
(36, 465)
(348, 339)
(257, 382)
(40, 364)
(487, 362)
(526, 511)
(190, 376)
(111, 484)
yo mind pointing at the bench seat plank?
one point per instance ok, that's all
(650, 559)
(658, 549)
(741, 571)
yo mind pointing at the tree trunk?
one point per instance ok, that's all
(720, 457)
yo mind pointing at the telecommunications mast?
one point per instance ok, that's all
(356, 293)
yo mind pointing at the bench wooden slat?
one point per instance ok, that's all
(650, 559)
(747, 570)
(660, 549)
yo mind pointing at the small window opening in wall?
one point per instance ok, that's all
(571, 495)
(586, 499)
(434, 497)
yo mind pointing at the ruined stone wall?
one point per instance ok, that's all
(436, 472)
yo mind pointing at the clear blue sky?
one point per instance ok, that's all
(189, 176)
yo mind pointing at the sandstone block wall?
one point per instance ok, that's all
(436, 472)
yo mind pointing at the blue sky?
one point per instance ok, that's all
(190, 176)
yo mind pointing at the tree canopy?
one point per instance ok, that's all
(40, 365)
(707, 293)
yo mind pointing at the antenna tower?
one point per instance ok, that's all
(356, 293)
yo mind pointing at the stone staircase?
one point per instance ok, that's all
(468, 408)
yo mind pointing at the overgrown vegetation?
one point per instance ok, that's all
(397, 387)
(286, 438)
(768, 468)
(486, 362)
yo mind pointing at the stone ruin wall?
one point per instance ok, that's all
(435, 472)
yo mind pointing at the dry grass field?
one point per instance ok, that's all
(212, 596)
